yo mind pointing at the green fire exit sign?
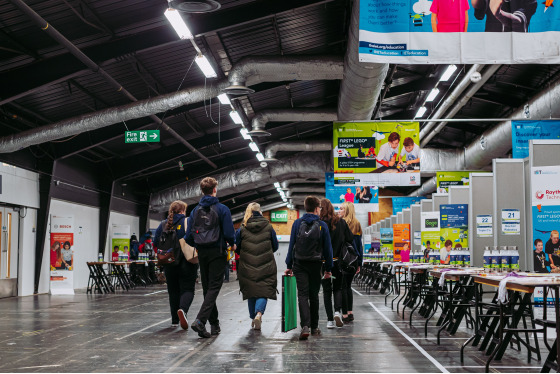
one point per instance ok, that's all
(146, 136)
(279, 216)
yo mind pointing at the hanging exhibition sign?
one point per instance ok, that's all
(523, 131)
(401, 242)
(404, 202)
(390, 151)
(430, 230)
(354, 190)
(387, 241)
(460, 31)
(545, 201)
(62, 255)
(120, 240)
(511, 222)
(454, 224)
(445, 179)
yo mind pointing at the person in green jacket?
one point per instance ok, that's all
(256, 243)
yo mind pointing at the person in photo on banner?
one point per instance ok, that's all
(388, 152)
(410, 153)
(67, 255)
(349, 195)
(552, 249)
(541, 259)
(445, 253)
(504, 15)
(450, 15)
(115, 254)
(56, 256)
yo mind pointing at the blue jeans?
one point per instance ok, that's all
(256, 305)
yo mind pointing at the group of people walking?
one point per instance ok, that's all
(313, 255)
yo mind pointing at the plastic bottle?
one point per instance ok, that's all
(467, 257)
(100, 257)
(515, 259)
(487, 258)
(460, 257)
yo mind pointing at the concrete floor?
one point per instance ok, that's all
(130, 332)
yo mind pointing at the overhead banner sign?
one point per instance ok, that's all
(62, 255)
(446, 179)
(459, 31)
(400, 203)
(354, 190)
(389, 148)
(523, 131)
(454, 224)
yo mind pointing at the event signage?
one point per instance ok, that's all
(146, 136)
(523, 131)
(511, 222)
(430, 230)
(354, 190)
(401, 242)
(120, 240)
(62, 255)
(445, 179)
(390, 149)
(484, 227)
(400, 203)
(454, 224)
(387, 240)
(462, 31)
(279, 216)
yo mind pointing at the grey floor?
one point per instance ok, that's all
(130, 332)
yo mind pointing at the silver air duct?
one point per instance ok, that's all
(296, 146)
(259, 121)
(362, 81)
(426, 188)
(306, 165)
(308, 68)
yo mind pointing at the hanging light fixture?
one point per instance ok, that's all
(195, 6)
(224, 99)
(236, 118)
(178, 23)
(205, 66)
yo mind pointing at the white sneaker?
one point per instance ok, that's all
(338, 320)
(330, 325)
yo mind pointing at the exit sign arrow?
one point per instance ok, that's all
(144, 136)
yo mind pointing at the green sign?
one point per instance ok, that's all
(146, 136)
(279, 216)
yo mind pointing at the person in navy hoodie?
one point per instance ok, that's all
(310, 245)
(210, 230)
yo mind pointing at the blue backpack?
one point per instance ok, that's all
(134, 251)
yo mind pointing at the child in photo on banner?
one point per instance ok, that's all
(541, 260)
(450, 15)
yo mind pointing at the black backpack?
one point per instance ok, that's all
(206, 226)
(149, 249)
(169, 248)
(348, 259)
(308, 245)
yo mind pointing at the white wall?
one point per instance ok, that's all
(27, 243)
(19, 186)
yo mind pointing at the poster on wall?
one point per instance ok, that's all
(454, 224)
(376, 242)
(430, 231)
(364, 196)
(62, 255)
(387, 240)
(523, 131)
(390, 149)
(120, 241)
(404, 202)
(401, 242)
(462, 31)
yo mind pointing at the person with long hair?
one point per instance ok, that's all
(256, 243)
(340, 233)
(181, 277)
(348, 213)
(56, 255)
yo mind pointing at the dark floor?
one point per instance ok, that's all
(130, 332)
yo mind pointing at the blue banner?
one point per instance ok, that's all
(365, 197)
(523, 131)
(400, 203)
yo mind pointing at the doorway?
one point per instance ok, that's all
(9, 253)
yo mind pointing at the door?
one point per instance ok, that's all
(9, 225)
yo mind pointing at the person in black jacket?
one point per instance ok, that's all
(181, 277)
(340, 233)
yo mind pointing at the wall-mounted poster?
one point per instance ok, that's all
(62, 255)
(459, 31)
(454, 224)
(120, 240)
(430, 234)
(445, 179)
(401, 242)
(523, 131)
(387, 240)
(339, 190)
(388, 148)
(404, 202)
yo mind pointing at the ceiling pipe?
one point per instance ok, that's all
(488, 73)
(305, 190)
(362, 81)
(286, 184)
(301, 166)
(76, 52)
(450, 100)
(259, 121)
(427, 188)
(295, 146)
(388, 83)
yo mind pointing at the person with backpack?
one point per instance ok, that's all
(148, 246)
(348, 213)
(181, 274)
(134, 248)
(210, 230)
(340, 234)
(310, 244)
(256, 243)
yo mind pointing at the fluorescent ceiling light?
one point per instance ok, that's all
(244, 134)
(178, 23)
(254, 147)
(433, 94)
(279, 189)
(205, 66)
(448, 73)
(420, 112)
(276, 184)
(236, 117)
(224, 99)
(260, 157)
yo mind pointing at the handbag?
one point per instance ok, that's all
(190, 253)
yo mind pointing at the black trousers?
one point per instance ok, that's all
(212, 266)
(308, 280)
(180, 281)
(347, 295)
(332, 287)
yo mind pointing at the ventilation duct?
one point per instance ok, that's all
(297, 146)
(259, 121)
(301, 166)
(322, 68)
(426, 188)
(294, 191)
(195, 6)
(362, 81)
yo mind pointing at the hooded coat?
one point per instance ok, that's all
(257, 267)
